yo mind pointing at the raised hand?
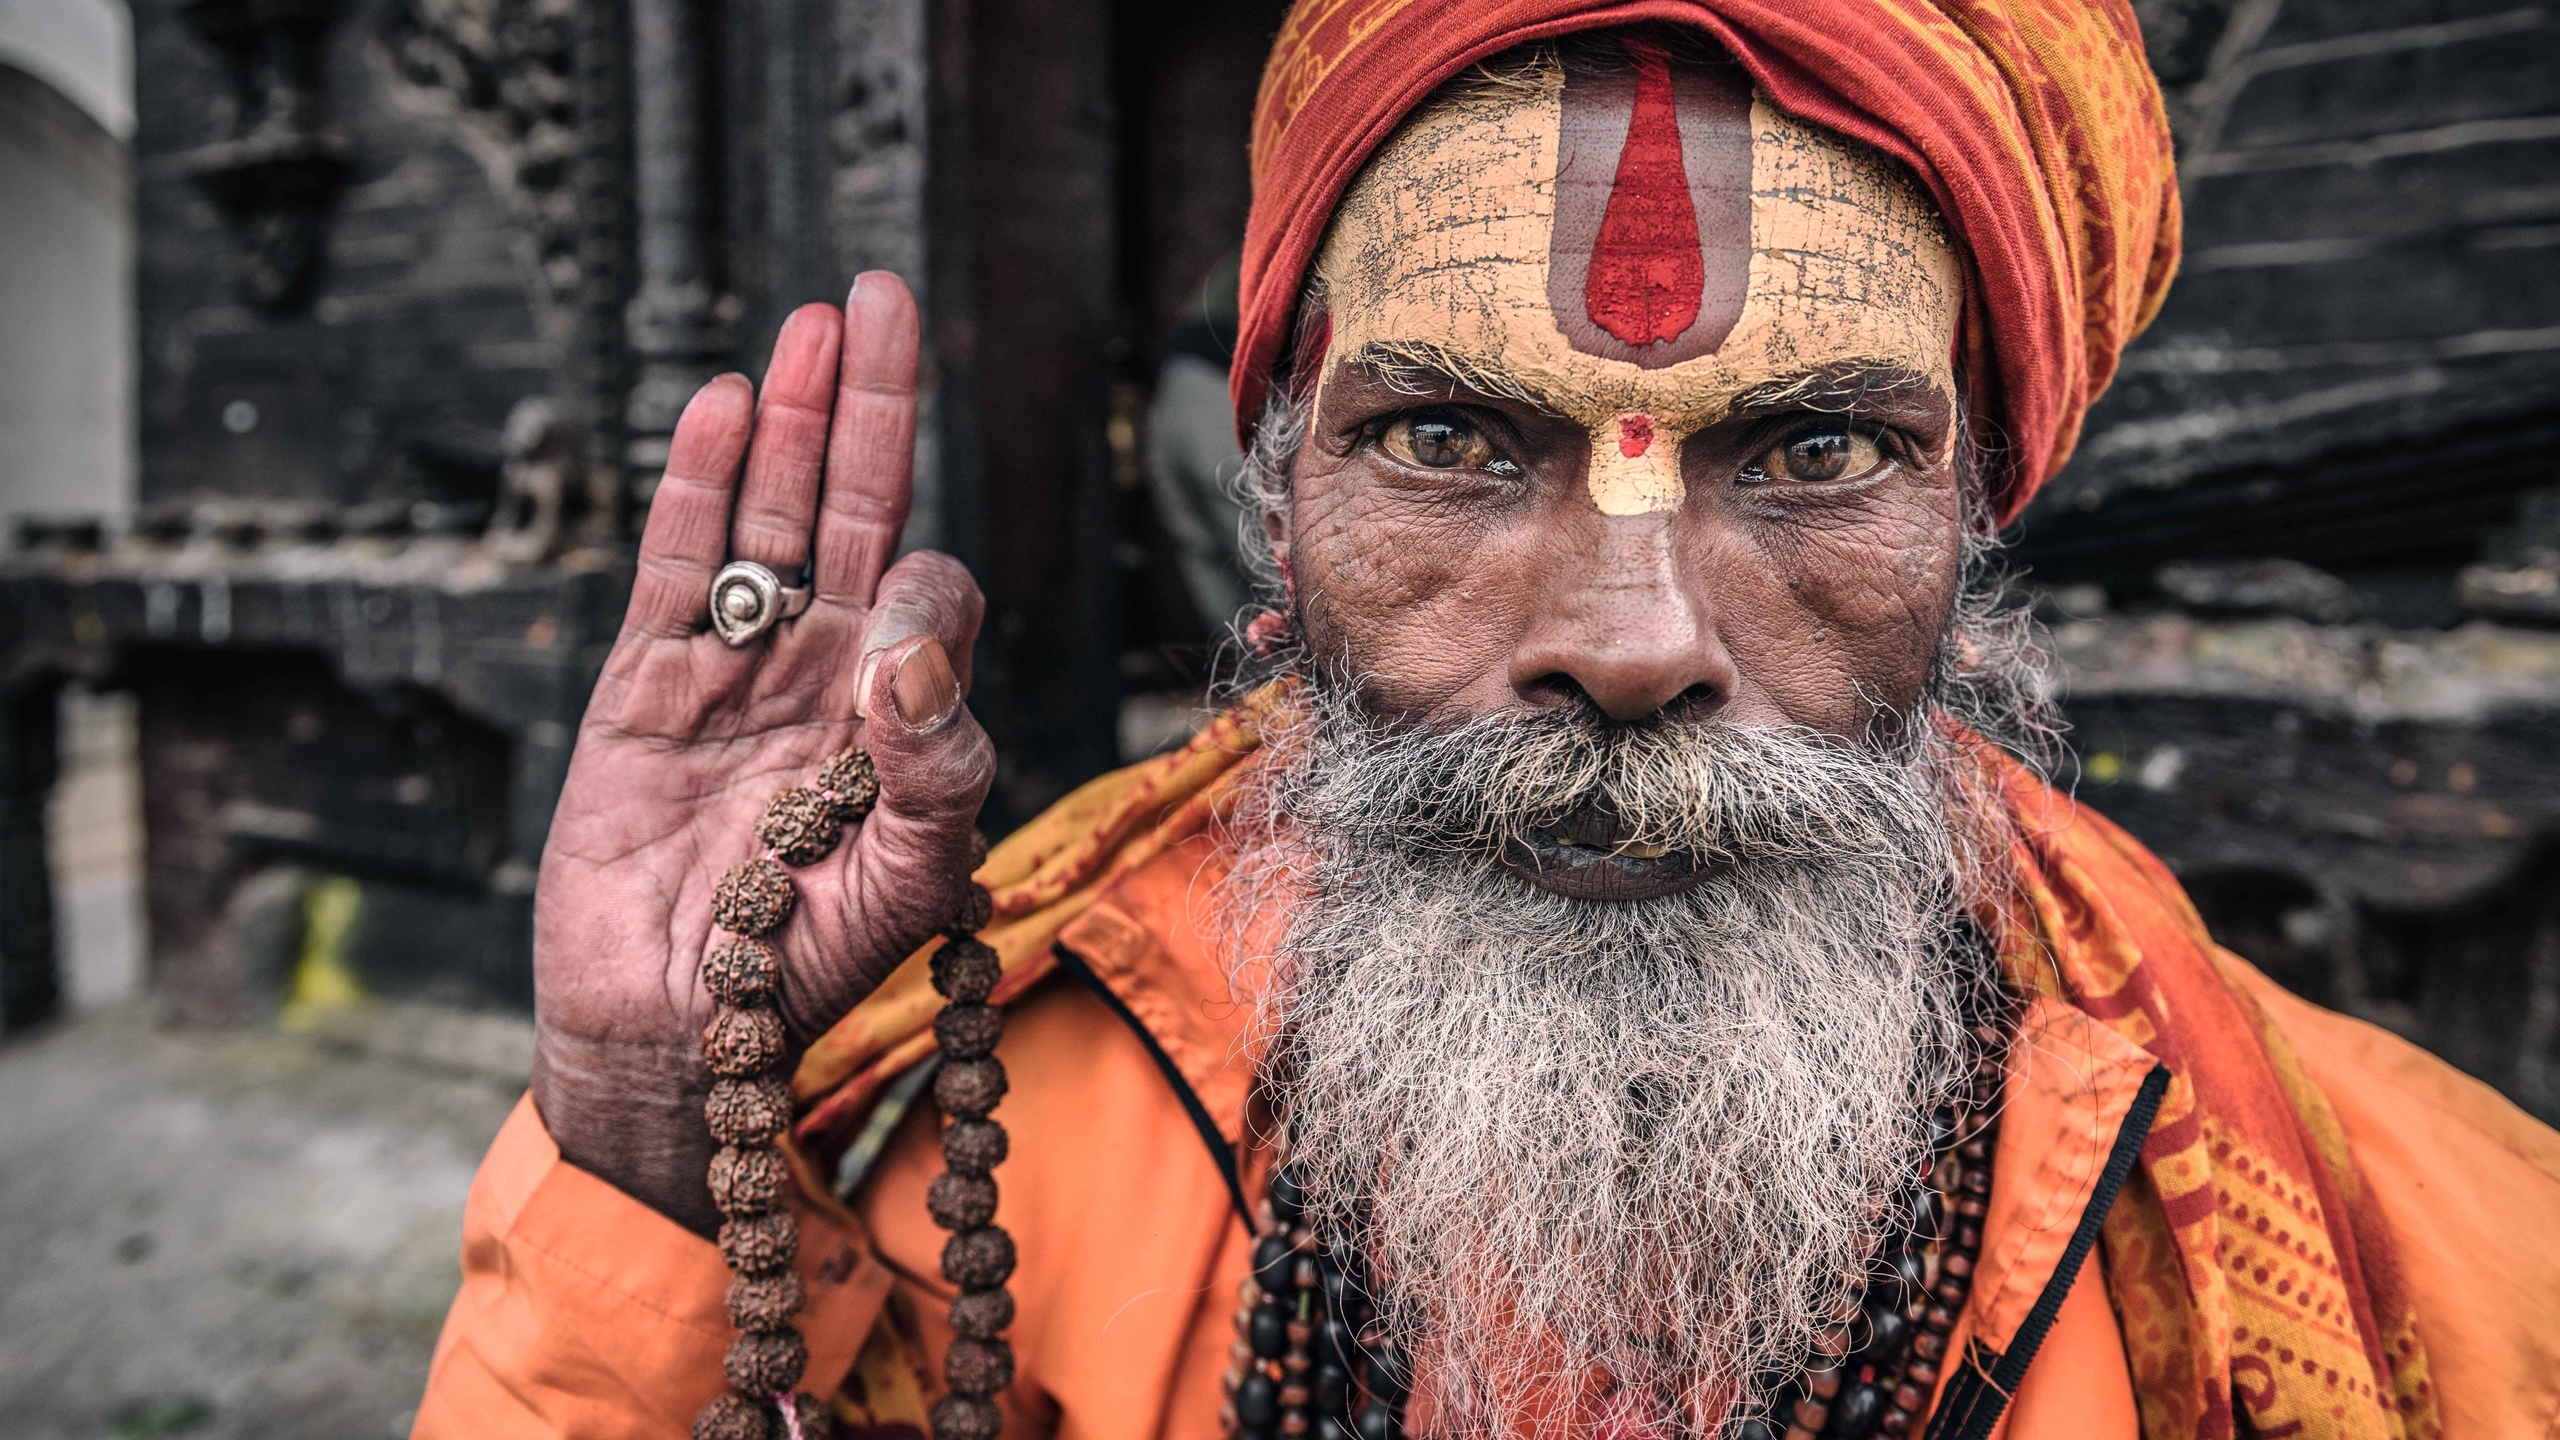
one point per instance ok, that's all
(686, 739)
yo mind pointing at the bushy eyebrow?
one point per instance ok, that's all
(1426, 370)
(1846, 386)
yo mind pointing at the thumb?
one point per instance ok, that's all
(935, 767)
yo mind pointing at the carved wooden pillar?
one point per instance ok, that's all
(1042, 197)
(680, 320)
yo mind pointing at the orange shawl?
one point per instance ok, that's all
(2254, 1266)
(2251, 1263)
(2036, 124)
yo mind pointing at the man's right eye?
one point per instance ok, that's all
(1438, 440)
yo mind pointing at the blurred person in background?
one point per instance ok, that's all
(1619, 970)
(1193, 461)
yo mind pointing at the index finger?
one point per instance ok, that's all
(871, 448)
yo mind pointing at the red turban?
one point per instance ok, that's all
(2036, 124)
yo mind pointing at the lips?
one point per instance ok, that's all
(1588, 856)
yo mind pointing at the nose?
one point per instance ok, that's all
(1625, 627)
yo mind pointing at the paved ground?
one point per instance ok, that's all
(230, 1235)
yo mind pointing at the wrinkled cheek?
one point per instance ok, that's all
(1880, 608)
(1345, 571)
(1409, 607)
(1356, 566)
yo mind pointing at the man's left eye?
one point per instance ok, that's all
(1438, 440)
(1813, 456)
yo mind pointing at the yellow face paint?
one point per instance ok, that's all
(1450, 247)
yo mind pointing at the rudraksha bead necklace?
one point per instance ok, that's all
(1311, 1360)
(746, 1050)
(978, 1258)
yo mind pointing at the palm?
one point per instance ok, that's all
(686, 739)
(685, 742)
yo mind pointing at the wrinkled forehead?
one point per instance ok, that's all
(1654, 239)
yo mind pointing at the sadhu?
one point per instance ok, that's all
(1616, 969)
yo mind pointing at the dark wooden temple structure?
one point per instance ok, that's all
(424, 283)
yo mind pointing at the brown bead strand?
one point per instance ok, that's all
(1297, 1366)
(978, 1258)
(746, 1050)
(1958, 1195)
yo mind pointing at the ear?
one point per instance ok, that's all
(1275, 533)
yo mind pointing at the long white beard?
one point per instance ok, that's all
(1629, 1154)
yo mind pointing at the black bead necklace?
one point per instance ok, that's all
(1311, 1360)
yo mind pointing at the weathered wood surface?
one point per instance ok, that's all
(2360, 361)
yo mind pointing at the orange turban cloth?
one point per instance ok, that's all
(2036, 124)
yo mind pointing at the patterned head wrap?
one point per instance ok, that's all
(2035, 124)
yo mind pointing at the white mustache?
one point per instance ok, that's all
(1724, 793)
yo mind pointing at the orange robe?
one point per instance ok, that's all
(583, 1313)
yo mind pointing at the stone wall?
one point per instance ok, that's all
(66, 313)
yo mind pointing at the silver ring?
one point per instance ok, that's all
(747, 600)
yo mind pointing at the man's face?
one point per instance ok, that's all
(1634, 387)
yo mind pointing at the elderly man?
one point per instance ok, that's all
(1617, 973)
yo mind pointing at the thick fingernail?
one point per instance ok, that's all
(924, 688)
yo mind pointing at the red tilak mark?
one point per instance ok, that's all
(1646, 274)
(1635, 435)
